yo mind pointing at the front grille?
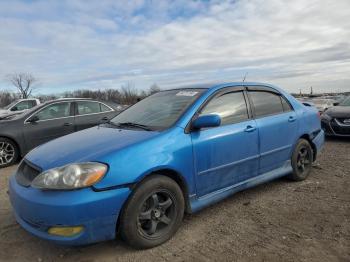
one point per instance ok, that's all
(26, 173)
(344, 121)
(38, 225)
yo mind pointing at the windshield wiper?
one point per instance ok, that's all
(130, 124)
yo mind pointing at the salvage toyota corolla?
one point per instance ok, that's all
(176, 151)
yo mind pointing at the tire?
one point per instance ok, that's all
(302, 159)
(153, 213)
(9, 152)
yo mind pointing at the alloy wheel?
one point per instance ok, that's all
(303, 160)
(156, 215)
(7, 153)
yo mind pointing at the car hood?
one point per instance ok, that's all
(7, 116)
(3, 111)
(339, 111)
(88, 145)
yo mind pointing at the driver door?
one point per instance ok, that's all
(228, 154)
(53, 121)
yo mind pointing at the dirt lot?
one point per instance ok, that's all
(278, 221)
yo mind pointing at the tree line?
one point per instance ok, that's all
(24, 83)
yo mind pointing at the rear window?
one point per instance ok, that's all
(88, 107)
(104, 108)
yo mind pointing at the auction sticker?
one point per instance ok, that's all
(187, 93)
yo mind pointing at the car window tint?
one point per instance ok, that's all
(286, 106)
(54, 111)
(88, 107)
(266, 103)
(231, 107)
(23, 105)
(104, 108)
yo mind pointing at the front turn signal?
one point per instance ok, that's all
(65, 231)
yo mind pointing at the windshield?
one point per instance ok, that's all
(159, 111)
(10, 105)
(345, 102)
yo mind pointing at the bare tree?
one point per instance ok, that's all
(6, 98)
(153, 89)
(128, 93)
(23, 82)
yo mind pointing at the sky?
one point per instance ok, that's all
(88, 44)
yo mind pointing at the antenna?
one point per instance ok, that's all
(245, 76)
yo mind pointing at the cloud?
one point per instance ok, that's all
(77, 44)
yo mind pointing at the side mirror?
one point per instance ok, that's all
(33, 119)
(336, 104)
(15, 108)
(206, 121)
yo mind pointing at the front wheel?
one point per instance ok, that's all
(302, 159)
(153, 213)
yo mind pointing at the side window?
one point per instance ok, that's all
(22, 106)
(286, 106)
(266, 103)
(53, 111)
(88, 107)
(104, 108)
(231, 107)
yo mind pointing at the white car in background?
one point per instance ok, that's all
(322, 104)
(18, 106)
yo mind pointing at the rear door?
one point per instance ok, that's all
(53, 121)
(91, 113)
(227, 154)
(277, 124)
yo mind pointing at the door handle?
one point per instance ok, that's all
(67, 124)
(105, 118)
(249, 128)
(291, 119)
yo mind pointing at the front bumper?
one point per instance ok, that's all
(334, 128)
(36, 211)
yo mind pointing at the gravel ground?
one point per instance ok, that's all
(277, 221)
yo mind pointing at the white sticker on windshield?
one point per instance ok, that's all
(187, 93)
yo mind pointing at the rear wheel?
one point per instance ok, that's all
(302, 159)
(8, 152)
(153, 213)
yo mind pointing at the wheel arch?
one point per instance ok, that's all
(174, 175)
(313, 146)
(170, 173)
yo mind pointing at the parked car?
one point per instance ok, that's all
(19, 106)
(336, 120)
(323, 104)
(21, 132)
(175, 151)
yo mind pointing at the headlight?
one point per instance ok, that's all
(72, 176)
(325, 116)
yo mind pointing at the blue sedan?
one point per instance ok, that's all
(176, 151)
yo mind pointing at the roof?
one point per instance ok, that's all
(218, 85)
(71, 98)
